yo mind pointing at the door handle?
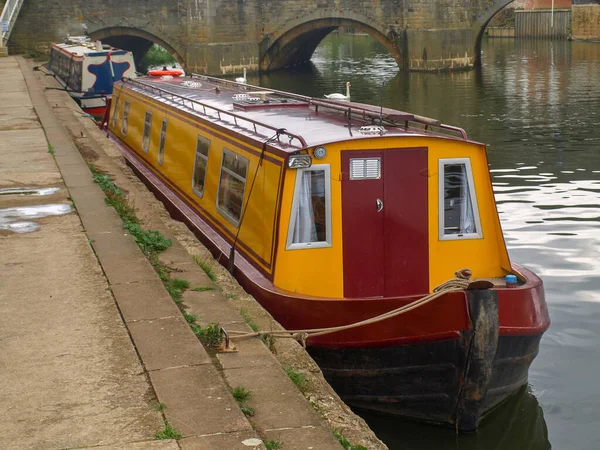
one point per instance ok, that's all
(379, 205)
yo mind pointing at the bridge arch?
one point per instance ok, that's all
(134, 39)
(481, 22)
(295, 43)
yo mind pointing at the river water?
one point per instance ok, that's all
(536, 104)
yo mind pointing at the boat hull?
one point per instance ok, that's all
(425, 381)
(450, 361)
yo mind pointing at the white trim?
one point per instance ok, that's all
(115, 117)
(232, 220)
(125, 119)
(162, 141)
(290, 236)
(441, 213)
(148, 127)
(200, 194)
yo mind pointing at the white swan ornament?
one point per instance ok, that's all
(340, 96)
(243, 79)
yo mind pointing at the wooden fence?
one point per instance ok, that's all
(543, 24)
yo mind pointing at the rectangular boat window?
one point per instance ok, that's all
(232, 185)
(310, 221)
(202, 147)
(458, 213)
(365, 168)
(147, 132)
(125, 122)
(115, 116)
(161, 145)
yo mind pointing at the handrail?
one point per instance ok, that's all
(189, 103)
(235, 84)
(9, 16)
(363, 111)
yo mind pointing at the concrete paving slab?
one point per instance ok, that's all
(176, 255)
(151, 445)
(126, 268)
(167, 342)
(274, 396)
(251, 353)
(229, 441)
(198, 401)
(211, 306)
(70, 375)
(13, 99)
(306, 438)
(195, 275)
(146, 300)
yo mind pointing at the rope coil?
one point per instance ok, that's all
(459, 283)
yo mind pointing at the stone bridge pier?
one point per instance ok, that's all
(219, 37)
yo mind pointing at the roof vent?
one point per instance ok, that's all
(191, 84)
(372, 129)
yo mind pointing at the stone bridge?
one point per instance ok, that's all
(219, 37)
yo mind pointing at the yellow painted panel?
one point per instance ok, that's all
(486, 257)
(256, 235)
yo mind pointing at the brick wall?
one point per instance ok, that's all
(585, 22)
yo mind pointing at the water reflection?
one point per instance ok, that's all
(536, 104)
(518, 424)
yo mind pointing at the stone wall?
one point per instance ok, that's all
(586, 22)
(224, 36)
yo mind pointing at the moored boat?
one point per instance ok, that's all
(87, 70)
(338, 212)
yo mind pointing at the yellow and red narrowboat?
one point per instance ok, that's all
(337, 212)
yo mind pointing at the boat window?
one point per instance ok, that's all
(161, 145)
(202, 146)
(234, 171)
(125, 122)
(458, 214)
(310, 221)
(115, 117)
(147, 132)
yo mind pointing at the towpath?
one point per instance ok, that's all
(94, 351)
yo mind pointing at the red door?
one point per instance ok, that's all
(384, 222)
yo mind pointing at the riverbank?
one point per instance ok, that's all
(182, 389)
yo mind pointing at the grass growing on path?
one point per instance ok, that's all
(168, 432)
(241, 396)
(345, 442)
(299, 379)
(207, 265)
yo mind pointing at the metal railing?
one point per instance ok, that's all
(366, 112)
(8, 18)
(205, 109)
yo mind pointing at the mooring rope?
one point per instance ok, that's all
(458, 283)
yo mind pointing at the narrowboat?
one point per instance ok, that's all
(87, 71)
(331, 213)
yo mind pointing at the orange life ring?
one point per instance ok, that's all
(161, 73)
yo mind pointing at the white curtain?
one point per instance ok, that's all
(467, 217)
(304, 227)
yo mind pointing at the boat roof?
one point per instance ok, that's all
(87, 48)
(261, 113)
